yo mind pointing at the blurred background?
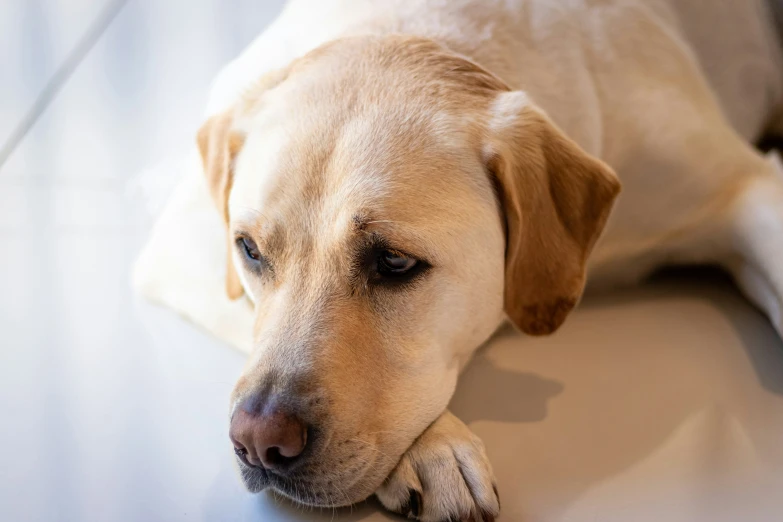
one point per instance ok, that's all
(112, 409)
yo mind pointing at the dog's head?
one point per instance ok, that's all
(387, 203)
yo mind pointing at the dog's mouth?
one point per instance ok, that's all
(318, 489)
(333, 471)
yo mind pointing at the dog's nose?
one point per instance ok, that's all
(268, 437)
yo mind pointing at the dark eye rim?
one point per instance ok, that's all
(251, 255)
(383, 265)
(249, 247)
(382, 273)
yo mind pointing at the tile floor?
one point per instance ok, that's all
(115, 410)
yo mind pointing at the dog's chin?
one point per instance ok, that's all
(323, 494)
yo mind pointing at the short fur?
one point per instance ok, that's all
(477, 136)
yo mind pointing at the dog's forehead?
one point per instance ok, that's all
(314, 173)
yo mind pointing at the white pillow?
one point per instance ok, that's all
(183, 264)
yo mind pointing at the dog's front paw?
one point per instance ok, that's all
(445, 476)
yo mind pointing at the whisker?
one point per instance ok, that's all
(371, 446)
(380, 431)
(379, 221)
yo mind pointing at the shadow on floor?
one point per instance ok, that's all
(759, 339)
(487, 392)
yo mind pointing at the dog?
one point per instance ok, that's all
(399, 178)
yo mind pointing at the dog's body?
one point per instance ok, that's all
(670, 93)
(598, 70)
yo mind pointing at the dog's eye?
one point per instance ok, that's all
(390, 267)
(250, 248)
(391, 264)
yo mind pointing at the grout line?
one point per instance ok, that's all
(60, 76)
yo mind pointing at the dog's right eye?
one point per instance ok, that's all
(250, 248)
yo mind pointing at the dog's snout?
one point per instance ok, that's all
(269, 437)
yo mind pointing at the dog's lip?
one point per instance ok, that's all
(257, 478)
(244, 463)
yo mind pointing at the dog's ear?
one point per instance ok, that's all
(556, 199)
(219, 144)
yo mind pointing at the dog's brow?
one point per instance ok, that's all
(391, 234)
(362, 221)
(267, 233)
(359, 222)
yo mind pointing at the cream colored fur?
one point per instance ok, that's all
(670, 94)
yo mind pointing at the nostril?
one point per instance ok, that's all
(246, 457)
(273, 456)
(241, 453)
(269, 437)
(275, 459)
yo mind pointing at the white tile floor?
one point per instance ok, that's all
(115, 410)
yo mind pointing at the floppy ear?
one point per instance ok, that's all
(219, 145)
(556, 200)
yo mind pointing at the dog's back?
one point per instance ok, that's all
(738, 48)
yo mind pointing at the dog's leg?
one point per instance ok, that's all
(737, 223)
(754, 232)
(445, 475)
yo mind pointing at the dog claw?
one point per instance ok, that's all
(415, 504)
(449, 460)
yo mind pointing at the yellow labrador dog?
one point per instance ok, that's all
(398, 177)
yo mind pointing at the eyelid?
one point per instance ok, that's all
(379, 242)
(365, 274)
(242, 234)
(262, 261)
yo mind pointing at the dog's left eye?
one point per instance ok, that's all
(391, 264)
